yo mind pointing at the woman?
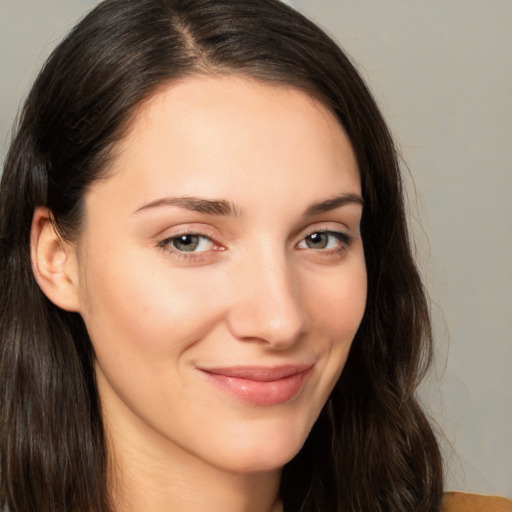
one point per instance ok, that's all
(208, 299)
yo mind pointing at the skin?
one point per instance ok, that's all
(259, 289)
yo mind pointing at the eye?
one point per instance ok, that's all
(188, 243)
(324, 240)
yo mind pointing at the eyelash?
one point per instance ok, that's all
(344, 240)
(168, 245)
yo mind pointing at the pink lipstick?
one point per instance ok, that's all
(260, 385)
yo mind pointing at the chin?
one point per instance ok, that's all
(264, 451)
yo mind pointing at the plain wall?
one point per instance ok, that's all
(442, 73)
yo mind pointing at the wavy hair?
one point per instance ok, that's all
(372, 447)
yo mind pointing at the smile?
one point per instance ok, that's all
(261, 386)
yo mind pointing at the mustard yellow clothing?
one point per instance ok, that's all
(463, 502)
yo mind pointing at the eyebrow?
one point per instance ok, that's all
(333, 203)
(226, 208)
(196, 204)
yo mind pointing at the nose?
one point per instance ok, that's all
(268, 305)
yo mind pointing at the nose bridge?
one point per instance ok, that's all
(268, 302)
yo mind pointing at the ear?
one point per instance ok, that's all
(54, 261)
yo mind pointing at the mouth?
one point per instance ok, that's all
(260, 385)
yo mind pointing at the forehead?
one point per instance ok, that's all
(207, 132)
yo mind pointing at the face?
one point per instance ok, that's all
(221, 273)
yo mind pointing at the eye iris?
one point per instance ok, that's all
(317, 241)
(186, 243)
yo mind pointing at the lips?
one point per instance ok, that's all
(259, 385)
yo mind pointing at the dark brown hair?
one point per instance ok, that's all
(372, 447)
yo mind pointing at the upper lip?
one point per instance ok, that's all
(259, 373)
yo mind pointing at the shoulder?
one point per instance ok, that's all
(463, 502)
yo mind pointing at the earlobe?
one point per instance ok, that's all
(54, 262)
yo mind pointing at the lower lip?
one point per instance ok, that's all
(262, 393)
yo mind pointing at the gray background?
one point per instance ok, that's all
(442, 72)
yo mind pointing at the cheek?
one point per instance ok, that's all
(338, 302)
(337, 308)
(143, 321)
(140, 312)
